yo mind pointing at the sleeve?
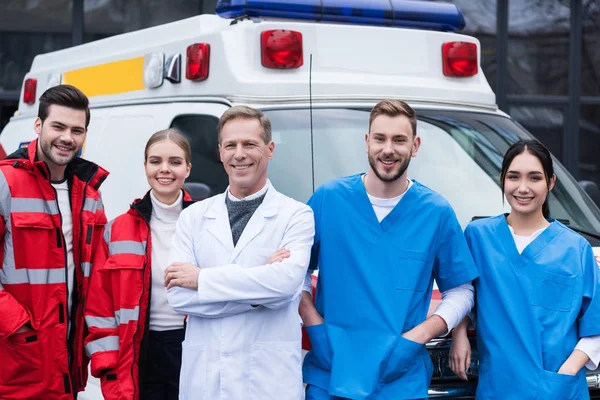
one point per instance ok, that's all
(185, 301)
(12, 314)
(589, 315)
(591, 347)
(264, 284)
(307, 285)
(456, 304)
(453, 264)
(102, 341)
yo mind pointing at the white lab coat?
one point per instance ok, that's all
(243, 337)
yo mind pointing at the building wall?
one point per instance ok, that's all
(535, 85)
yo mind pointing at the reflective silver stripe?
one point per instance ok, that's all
(100, 204)
(124, 315)
(105, 344)
(1, 288)
(92, 205)
(11, 276)
(24, 204)
(127, 247)
(101, 322)
(87, 268)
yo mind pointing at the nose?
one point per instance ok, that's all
(164, 167)
(67, 137)
(523, 187)
(239, 152)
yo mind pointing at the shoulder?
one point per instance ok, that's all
(293, 206)
(482, 225)
(199, 208)
(567, 235)
(430, 197)
(340, 184)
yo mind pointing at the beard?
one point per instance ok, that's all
(46, 148)
(390, 178)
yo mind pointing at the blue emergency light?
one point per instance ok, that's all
(402, 13)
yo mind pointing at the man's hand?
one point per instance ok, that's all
(278, 256)
(25, 328)
(432, 327)
(181, 274)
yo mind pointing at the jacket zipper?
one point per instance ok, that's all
(83, 232)
(135, 387)
(62, 244)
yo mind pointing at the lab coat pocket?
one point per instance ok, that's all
(552, 292)
(404, 355)
(559, 386)
(411, 270)
(192, 383)
(275, 371)
(321, 349)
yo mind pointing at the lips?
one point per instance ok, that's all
(388, 163)
(241, 167)
(165, 181)
(63, 148)
(523, 199)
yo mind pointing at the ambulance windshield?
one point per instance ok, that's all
(460, 157)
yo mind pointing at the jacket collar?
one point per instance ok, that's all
(143, 206)
(80, 168)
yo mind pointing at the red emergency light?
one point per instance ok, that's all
(459, 59)
(197, 63)
(29, 91)
(281, 49)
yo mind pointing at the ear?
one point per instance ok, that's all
(37, 126)
(416, 145)
(367, 142)
(271, 147)
(189, 168)
(552, 182)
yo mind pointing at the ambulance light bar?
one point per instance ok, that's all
(402, 13)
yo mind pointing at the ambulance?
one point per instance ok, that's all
(316, 68)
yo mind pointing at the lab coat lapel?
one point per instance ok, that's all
(217, 222)
(267, 209)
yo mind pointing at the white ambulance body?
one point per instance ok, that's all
(321, 80)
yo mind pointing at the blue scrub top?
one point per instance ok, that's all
(532, 309)
(375, 282)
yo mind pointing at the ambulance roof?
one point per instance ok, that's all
(341, 61)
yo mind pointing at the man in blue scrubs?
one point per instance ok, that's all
(380, 241)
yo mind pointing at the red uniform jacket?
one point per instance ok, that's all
(46, 363)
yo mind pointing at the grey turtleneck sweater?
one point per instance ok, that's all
(240, 212)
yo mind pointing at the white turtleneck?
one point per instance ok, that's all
(162, 225)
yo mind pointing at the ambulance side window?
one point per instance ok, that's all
(201, 131)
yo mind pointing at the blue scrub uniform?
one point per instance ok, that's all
(375, 282)
(532, 309)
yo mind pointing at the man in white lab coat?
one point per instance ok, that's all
(238, 261)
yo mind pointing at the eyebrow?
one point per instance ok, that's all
(529, 173)
(61, 125)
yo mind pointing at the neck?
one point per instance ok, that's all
(166, 199)
(241, 192)
(385, 190)
(526, 224)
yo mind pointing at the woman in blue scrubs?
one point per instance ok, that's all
(538, 307)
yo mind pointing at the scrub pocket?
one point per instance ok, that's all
(404, 355)
(321, 353)
(552, 292)
(21, 359)
(411, 270)
(275, 371)
(560, 386)
(192, 385)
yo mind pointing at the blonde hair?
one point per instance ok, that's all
(394, 108)
(173, 135)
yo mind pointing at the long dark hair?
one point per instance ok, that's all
(537, 150)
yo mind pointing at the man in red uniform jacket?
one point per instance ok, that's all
(51, 220)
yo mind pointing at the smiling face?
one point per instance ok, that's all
(390, 146)
(166, 170)
(60, 137)
(526, 185)
(245, 155)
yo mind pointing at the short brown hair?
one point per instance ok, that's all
(394, 108)
(66, 96)
(245, 112)
(173, 135)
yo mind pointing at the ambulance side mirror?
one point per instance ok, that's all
(198, 191)
(592, 189)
